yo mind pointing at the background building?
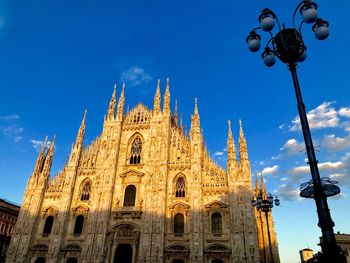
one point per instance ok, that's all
(8, 217)
(144, 191)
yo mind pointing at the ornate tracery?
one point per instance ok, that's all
(135, 152)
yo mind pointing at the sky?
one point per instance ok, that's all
(58, 58)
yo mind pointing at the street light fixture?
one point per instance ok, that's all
(265, 204)
(288, 46)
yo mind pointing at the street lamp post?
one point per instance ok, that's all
(289, 47)
(265, 204)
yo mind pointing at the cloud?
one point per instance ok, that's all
(17, 138)
(270, 170)
(13, 132)
(324, 116)
(38, 144)
(344, 111)
(292, 147)
(343, 179)
(134, 76)
(219, 153)
(334, 143)
(288, 192)
(326, 166)
(9, 117)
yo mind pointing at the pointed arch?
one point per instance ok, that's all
(85, 190)
(135, 145)
(179, 185)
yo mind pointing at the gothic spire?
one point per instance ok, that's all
(49, 157)
(181, 124)
(195, 122)
(156, 102)
(257, 188)
(175, 114)
(262, 186)
(41, 157)
(80, 137)
(243, 152)
(166, 100)
(121, 103)
(112, 105)
(231, 148)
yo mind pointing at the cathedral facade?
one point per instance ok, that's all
(143, 191)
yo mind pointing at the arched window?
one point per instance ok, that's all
(179, 225)
(85, 191)
(79, 223)
(180, 187)
(216, 223)
(72, 260)
(48, 225)
(135, 153)
(130, 195)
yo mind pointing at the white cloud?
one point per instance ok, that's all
(288, 192)
(270, 170)
(343, 179)
(134, 76)
(292, 147)
(17, 138)
(13, 132)
(334, 143)
(326, 166)
(218, 154)
(38, 144)
(261, 163)
(9, 117)
(324, 116)
(344, 111)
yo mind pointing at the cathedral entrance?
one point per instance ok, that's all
(123, 254)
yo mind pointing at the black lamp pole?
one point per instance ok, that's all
(265, 204)
(288, 46)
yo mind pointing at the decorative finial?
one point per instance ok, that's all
(195, 106)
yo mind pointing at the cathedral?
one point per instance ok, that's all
(144, 190)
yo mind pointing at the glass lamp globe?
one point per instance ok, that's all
(267, 20)
(309, 12)
(277, 202)
(253, 41)
(321, 29)
(268, 57)
(302, 56)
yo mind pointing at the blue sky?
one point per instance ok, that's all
(59, 58)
